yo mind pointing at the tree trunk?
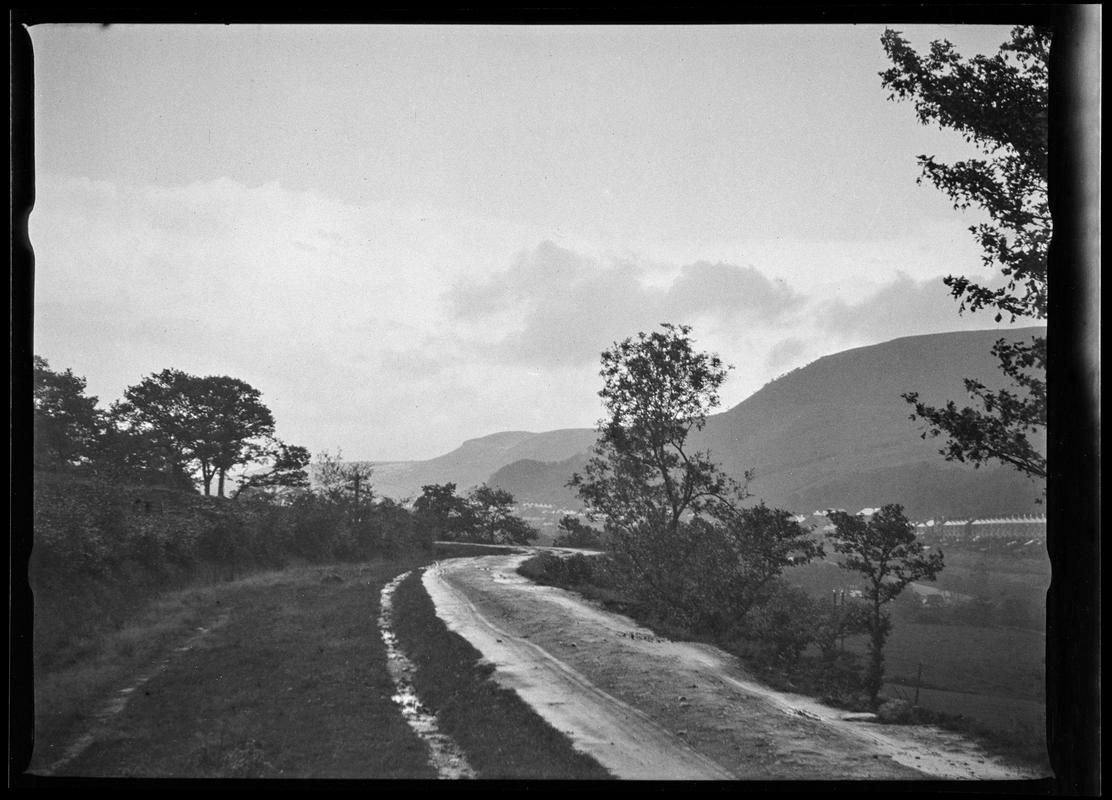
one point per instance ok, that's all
(220, 484)
(874, 679)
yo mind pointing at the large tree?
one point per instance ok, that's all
(158, 407)
(288, 469)
(67, 423)
(495, 522)
(442, 514)
(215, 423)
(998, 104)
(238, 427)
(666, 506)
(883, 548)
(657, 390)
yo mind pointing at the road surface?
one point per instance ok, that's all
(649, 708)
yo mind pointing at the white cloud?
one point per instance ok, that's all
(568, 308)
(398, 333)
(902, 307)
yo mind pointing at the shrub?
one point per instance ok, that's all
(777, 631)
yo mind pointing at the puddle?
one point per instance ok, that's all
(445, 755)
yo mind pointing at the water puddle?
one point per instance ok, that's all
(445, 755)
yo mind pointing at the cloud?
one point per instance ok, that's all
(902, 307)
(786, 351)
(558, 308)
(730, 289)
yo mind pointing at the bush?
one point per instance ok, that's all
(778, 630)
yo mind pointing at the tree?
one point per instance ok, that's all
(1000, 105)
(658, 499)
(576, 533)
(125, 454)
(755, 546)
(494, 521)
(288, 470)
(237, 427)
(884, 550)
(441, 514)
(347, 484)
(158, 408)
(67, 423)
(657, 390)
(217, 422)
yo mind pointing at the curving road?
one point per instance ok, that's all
(649, 708)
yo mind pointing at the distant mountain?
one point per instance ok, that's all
(475, 460)
(541, 481)
(840, 425)
(833, 433)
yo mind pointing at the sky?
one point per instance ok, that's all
(409, 236)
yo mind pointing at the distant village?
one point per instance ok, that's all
(1010, 531)
(1025, 529)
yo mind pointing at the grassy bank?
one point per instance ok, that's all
(285, 678)
(502, 736)
(289, 682)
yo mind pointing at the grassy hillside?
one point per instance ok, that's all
(837, 433)
(540, 481)
(475, 460)
(843, 414)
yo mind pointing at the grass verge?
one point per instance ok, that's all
(292, 684)
(502, 736)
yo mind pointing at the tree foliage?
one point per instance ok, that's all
(494, 521)
(213, 423)
(342, 482)
(669, 512)
(441, 513)
(574, 533)
(1000, 105)
(158, 408)
(883, 549)
(657, 390)
(66, 421)
(237, 427)
(484, 515)
(288, 469)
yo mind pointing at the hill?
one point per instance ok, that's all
(839, 428)
(833, 433)
(475, 460)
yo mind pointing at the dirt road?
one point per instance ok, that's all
(648, 708)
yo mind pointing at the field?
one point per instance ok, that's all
(992, 675)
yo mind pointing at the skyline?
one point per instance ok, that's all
(410, 236)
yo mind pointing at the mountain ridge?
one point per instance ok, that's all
(838, 421)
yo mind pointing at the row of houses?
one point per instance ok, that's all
(1024, 528)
